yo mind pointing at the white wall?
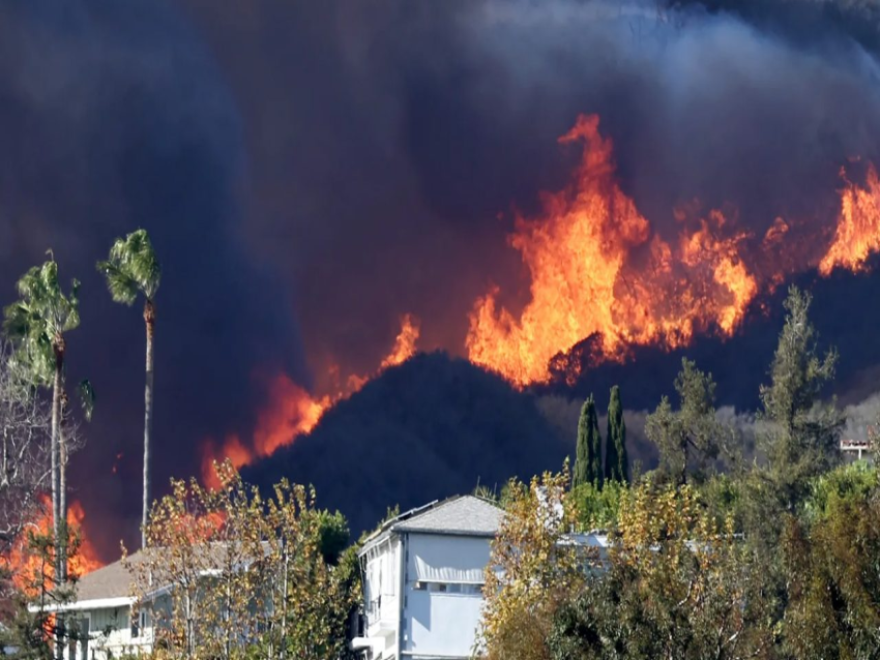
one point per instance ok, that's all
(444, 623)
(110, 633)
(382, 578)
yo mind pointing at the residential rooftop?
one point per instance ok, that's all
(462, 515)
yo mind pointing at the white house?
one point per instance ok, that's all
(101, 616)
(423, 581)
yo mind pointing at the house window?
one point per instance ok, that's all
(448, 587)
(138, 624)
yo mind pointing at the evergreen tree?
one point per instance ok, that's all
(588, 463)
(689, 438)
(616, 458)
(801, 433)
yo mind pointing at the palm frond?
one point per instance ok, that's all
(35, 321)
(132, 266)
(17, 320)
(123, 289)
(35, 360)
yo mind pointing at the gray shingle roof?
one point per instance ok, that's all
(110, 581)
(115, 580)
(464, 515)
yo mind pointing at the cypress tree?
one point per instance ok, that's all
(588, 462)
(616, 458)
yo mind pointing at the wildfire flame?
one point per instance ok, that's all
(25, 565)
(404, 343)
(293, 411)
(858, 226)
(590, 277)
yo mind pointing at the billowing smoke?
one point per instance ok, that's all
(114, 117)
(862, 418)
(391, 138)
(312, 171)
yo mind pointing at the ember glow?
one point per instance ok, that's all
(293, 411)
(25, 566)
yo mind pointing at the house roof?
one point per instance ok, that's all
(466, 515)
(111, 585)
(463, 515)
(111, 581)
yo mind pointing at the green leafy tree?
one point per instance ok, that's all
(335, 535)
(616, 457)
(37, 324)
(132, 269)
(833, 570)
(530, 572)
(588, 462)
(205, 549)
(690, 437)
(801, 433)
(676, 584)
(311, 598)
(246, 577)
(597, 508)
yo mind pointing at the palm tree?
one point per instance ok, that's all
(37, 323)
(133, 268)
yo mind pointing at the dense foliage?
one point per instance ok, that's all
(243, 576)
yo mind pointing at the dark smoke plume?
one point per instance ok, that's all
(113, 116)
(391, 138)
(335, 164)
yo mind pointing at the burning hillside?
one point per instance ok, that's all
(292, 411)
(600, 271)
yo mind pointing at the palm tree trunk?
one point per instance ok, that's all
(150, 321)
(62, 491)
(282, 649)
(56, 479)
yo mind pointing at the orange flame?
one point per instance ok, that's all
(25, 565)
(590, 276)
(858, 226)
(404, 343)
(292, 411)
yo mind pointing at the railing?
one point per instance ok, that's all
(381, 612)
(858, 447)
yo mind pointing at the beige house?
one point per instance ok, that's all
(101, 616)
